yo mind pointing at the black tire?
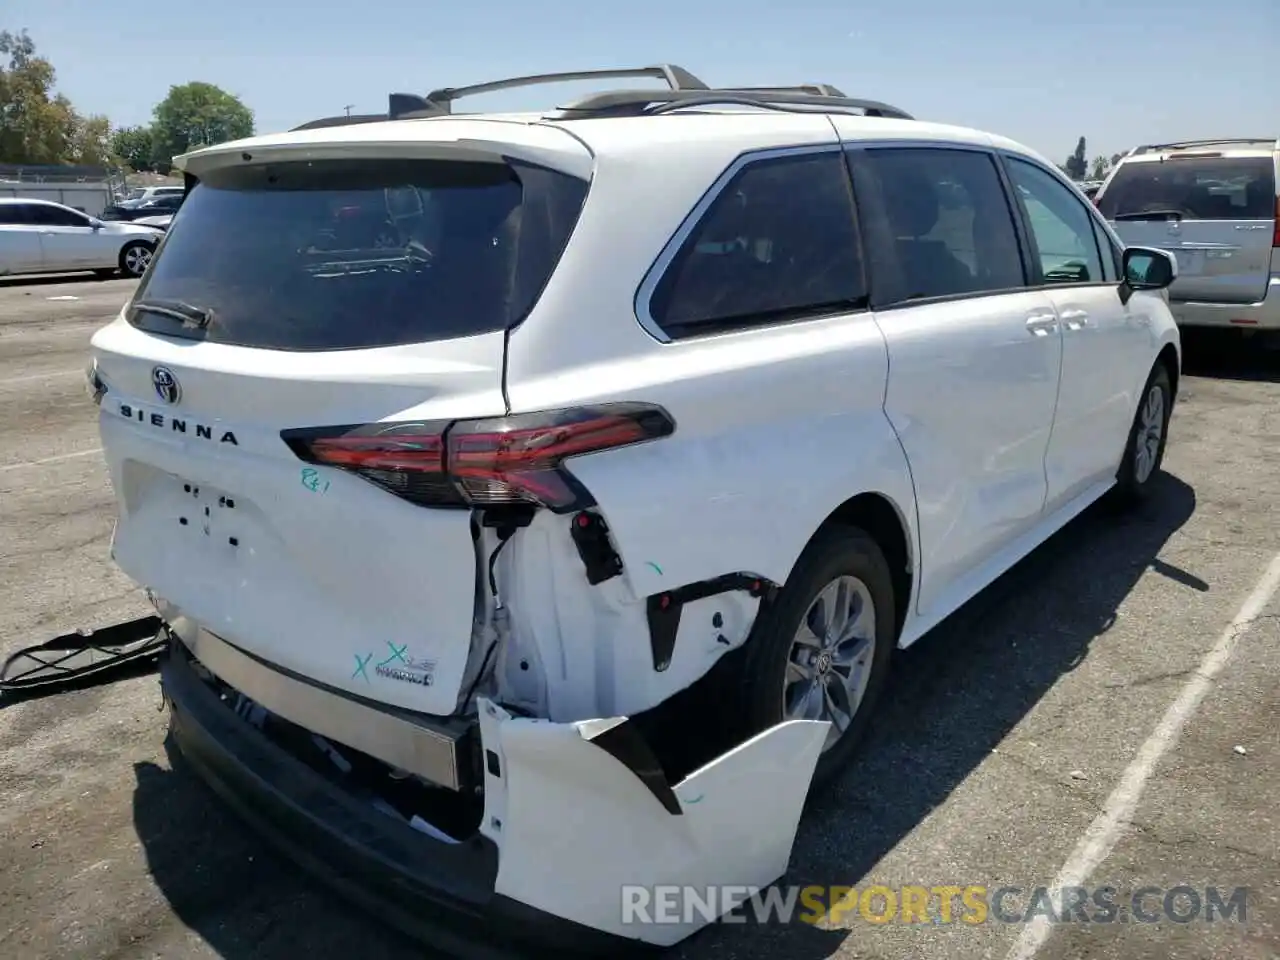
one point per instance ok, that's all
(131, 264)
(1133, 480)
(836, 552)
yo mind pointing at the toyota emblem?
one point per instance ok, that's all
(166, 384)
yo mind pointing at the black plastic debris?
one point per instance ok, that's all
(66, 660)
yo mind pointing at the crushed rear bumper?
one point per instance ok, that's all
(405, 879)
(577, 817)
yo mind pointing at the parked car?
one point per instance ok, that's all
(165, 205)
(150, 193)
(1214, 205)
(38, 236)
(454, 448)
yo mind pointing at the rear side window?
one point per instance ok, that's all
(50, 216)
(779, 243)
(948, 228)
(1192, 188)
(12, 214)
(336, 255)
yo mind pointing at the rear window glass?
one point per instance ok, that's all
(334, 255)
(1200, 188)
(779, 244)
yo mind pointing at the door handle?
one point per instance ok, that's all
(1075, 319)
(1040, 324)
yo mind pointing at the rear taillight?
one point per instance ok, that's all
(480, 463)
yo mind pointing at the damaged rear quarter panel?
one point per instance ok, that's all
(591, 644)
(775, 429)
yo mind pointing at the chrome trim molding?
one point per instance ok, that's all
(395, 738)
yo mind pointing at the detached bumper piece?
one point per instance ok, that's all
(574, 815)
(74, 657)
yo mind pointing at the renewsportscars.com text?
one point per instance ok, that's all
(940, 904)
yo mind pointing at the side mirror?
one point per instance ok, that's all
(1149, 269)
(95, 223)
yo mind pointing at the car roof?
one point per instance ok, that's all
(47, 203)
(713, 130)
(687, 118)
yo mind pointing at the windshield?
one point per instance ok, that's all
(338, 255)
(1200, 188)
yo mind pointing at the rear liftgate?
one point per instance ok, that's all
(581, 811)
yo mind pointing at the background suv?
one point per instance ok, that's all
(1213, 204)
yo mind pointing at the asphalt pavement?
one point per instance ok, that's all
(1105, 714)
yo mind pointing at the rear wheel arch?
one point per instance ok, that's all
(1169, 357)
(882, 520)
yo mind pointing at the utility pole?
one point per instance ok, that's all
(348, 108)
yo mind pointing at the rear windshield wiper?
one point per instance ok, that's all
(196, 318)
(1150, 215)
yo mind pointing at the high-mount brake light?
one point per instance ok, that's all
(487, 462)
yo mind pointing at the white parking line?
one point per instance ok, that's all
(33, 377)
(62, 456)
(1096, 844)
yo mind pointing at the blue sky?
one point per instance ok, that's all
(1118, 72)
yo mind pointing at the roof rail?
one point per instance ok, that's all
(677, 78)
(685, 90)
(815, 89)
(1183, 144)
(340, 121)
(627, 103)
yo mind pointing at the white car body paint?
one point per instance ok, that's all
(983, 435)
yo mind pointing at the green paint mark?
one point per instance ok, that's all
(361, 663)
(312, 480)
(697, 799)
(656, 567)
(397, 653)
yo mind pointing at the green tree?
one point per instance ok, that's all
(36, 124)
(133, 145)
(195, 115)
(90, 142)
(1099, 171)
(1077, 165)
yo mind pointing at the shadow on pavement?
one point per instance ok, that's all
(1225, 355)
(953, 697)
(958, 692)
(42, 280)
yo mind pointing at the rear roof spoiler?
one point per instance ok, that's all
(1267, 143)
